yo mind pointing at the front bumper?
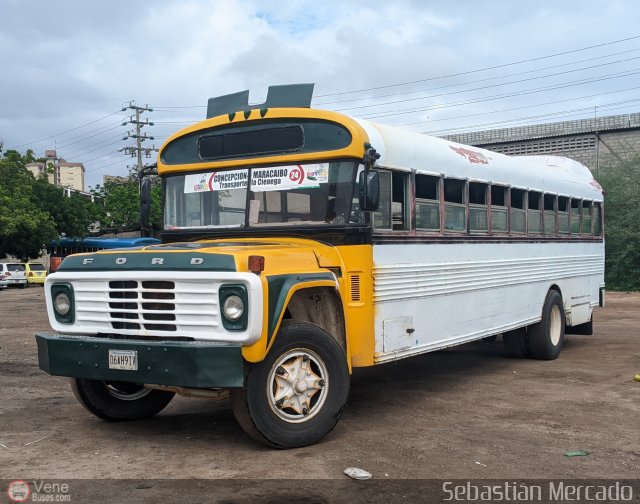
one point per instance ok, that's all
(180, 363)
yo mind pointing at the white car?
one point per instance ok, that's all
(14, 274)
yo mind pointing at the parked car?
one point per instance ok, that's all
(36, 273)
(3, 282)
(15, 274)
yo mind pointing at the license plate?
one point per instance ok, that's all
(123, 359)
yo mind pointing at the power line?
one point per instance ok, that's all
(481, 88)
(505, 95)
(539, 58)
(528, 119)
(488, 79)
(536, 105)
(69, 130)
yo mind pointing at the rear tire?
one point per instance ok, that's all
(118, 401)
(516, 343)
(296, 395)
(547, 336)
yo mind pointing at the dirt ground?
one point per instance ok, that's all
(469, 412)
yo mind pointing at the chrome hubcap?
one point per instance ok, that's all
(297, 385)
(126, 391)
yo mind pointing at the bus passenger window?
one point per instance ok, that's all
(499, 209)
(563, 215)
(586, 217)
(382, 216)
(427, 203)
(534, 215)
(518, 220)
(549, 214)
(597, 219)
(478, 215)
(454, 207)
(575, 216)
(399, 206)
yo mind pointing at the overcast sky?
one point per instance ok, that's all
(69, 66)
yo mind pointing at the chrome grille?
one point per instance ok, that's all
(137, 312)
(180, 306)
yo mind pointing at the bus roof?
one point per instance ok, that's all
(407, 150)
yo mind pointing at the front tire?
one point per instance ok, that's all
(547, 336)
(296, 395)
(119, 401)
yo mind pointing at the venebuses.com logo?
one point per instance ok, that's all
(37, 491)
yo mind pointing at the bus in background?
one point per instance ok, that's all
(300, 244)
(61, 248)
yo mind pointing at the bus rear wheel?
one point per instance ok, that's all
(117, 401)
(296, 395)
(547, 336)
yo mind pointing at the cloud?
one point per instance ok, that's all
(68, 63)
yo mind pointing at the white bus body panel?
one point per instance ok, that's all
(434, 295)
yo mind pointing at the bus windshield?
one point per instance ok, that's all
(292, 195)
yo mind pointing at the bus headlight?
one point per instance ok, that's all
(62, 303)
(234, 303)
(233, 307)
(62, 299)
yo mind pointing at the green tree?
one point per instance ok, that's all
(621, 182)
(33, 212)
(121, 205)
(72, 215)
(25, 228)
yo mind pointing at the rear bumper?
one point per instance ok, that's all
(16, 281)
(179, 363)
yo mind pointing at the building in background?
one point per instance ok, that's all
(59, 171)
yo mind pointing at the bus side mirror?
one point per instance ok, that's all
(369, 184)
(145, 206)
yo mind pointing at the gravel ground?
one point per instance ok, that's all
(468, 412)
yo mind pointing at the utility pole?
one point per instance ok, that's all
(138, 150)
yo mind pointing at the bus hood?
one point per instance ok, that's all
(281, 255)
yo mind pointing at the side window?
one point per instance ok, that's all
(518, 220)
(549, 217)
(499, 209)
(563, 215)
(534, 214)
(478, 214)
(597, 219)
(586, 217)
(382, 216)
(454, 205)
(427, 203)
(399, 201)
(575, 216)
(392, 211)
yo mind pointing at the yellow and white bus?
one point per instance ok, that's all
(300, 244)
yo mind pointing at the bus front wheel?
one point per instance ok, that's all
(296, 395)
(117, 401)
(547, 336)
